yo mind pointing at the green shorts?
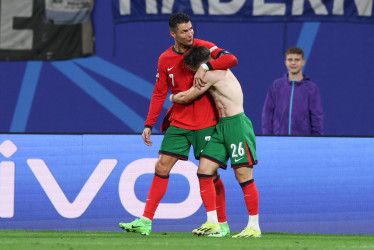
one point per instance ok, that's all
(177, 141)
(234, 138)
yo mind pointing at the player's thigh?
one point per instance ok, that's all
(199, 139)
(164, 164)
(207, 167)
(176, 143)
(241, 143)
(215, 151)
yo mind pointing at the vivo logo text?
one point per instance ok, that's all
(89, 190)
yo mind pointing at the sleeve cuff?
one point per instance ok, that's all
(148, 126)
(205, 67)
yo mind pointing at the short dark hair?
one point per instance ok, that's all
(196, 56)
(176, 19)
(295, 50)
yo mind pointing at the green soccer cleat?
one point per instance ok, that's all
(141, 226)
(207, 228)
(248, 232)
(225, 231)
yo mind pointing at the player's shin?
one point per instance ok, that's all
(155, 194)
(220, 200)
(251, 198)
(208, 195)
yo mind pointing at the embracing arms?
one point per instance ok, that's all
(185, 97)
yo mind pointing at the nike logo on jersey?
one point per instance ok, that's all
(236, 160)
(170, 68)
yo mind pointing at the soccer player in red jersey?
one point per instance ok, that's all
(191, 124)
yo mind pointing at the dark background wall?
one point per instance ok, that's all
(110, 92)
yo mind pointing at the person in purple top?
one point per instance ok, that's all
(293, 103)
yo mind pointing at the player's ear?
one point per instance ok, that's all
(172, 34)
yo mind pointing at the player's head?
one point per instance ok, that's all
(177, 19)
(196, 56)
(181, 29)
(295, 50)
(294, 60)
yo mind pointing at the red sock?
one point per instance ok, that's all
(155, 194)
(207, 192)
(220, 200)
(251, 196)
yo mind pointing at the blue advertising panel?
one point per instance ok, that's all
(93, 182)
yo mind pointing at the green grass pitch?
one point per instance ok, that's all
(55, 240)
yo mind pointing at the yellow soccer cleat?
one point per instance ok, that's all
(207, 228)
(248, 232)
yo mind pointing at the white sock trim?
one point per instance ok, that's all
(212, 216)
(253, 222)
(145, 218)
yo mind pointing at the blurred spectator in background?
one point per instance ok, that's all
(293, 103)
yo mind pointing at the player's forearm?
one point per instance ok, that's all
(186, 97)
(181, 98)
(153, 113)
(155, 107)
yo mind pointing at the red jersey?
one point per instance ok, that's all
(173, 74)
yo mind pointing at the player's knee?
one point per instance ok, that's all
(163, 167)
(205, 170)
(201, 171)
(215, 174)
(207, 167)
(243, 174)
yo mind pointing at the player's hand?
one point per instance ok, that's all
(198, 78)
(146, 136)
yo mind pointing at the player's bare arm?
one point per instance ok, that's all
(222, 60)
(191, 94)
